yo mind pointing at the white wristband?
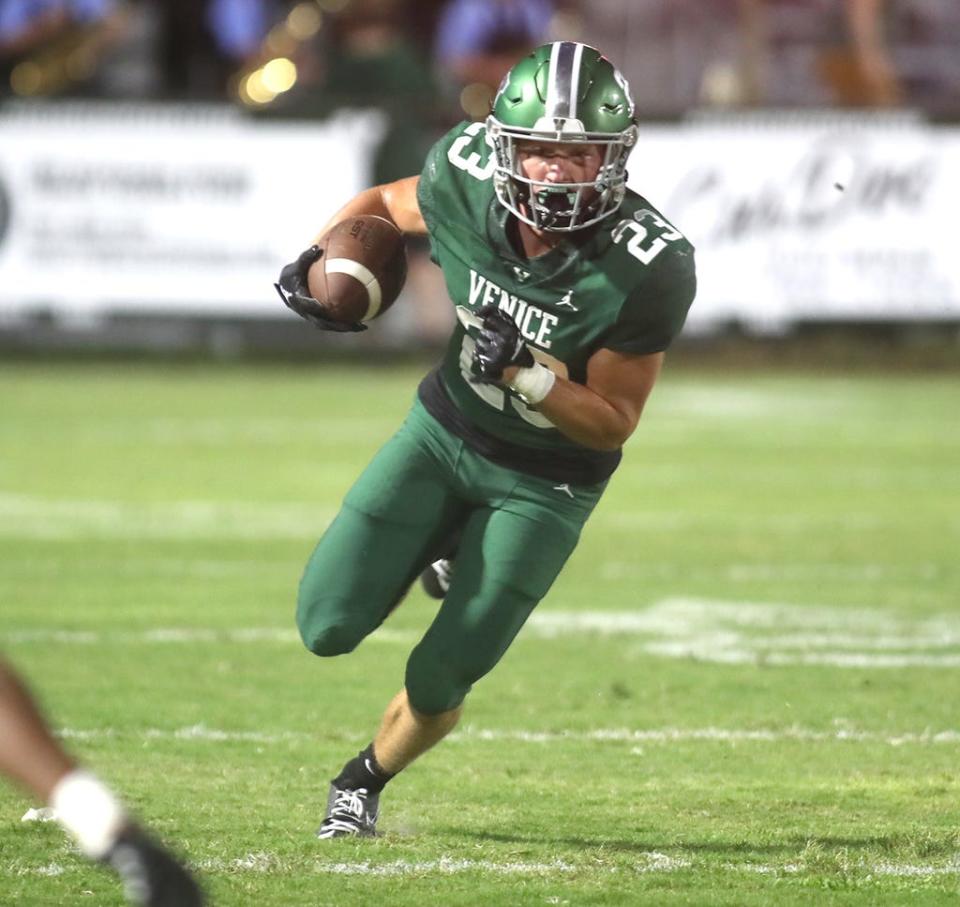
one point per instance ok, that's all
(88, 809)
(533, 383)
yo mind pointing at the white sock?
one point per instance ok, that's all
(89, 811)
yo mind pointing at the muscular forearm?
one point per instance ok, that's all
(370, 201)
(586, 417)
(397, 202)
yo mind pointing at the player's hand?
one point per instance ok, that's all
(151, 875)
(295, 294)
(499, 345)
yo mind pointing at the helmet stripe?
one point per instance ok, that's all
(551, 102)
(575, 79)
(563, 79)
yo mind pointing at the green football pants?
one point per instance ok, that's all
(424, 485)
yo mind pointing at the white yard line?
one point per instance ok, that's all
(185, 635)
(725, 632)
(468, 734)
(646, 862)
(23, 516)
(710, 734)
(727, 654)
(618, 571)
(779, 522)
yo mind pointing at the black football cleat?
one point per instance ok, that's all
(350, 812)
(436, 578)
(151, 875)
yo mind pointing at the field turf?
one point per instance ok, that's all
(743, 689)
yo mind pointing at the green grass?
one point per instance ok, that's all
(774, 720)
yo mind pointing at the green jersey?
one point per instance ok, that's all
(624, 285)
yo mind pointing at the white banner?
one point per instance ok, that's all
(179, 209)
(166, 209)
(806, 218)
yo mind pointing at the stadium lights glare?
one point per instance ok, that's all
(26, 78)
(263, 85)
(279, 75)
(81, 63)
(253, 91)
(280, 42)
(304, 21)
(475, 100)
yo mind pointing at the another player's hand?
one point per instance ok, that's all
(499, 345)
(152, 876)
(295, 293)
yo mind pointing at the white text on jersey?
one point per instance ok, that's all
(535, 324)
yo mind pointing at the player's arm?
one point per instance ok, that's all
(600, 414)
(603, 413)
(397, 202)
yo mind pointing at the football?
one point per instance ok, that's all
(362, 269)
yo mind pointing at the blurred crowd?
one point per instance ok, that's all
(436, 61)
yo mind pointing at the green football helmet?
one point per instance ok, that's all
(562, 92)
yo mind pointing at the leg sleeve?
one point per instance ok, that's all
(392, 520)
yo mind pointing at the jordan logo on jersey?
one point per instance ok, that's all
(565, 301)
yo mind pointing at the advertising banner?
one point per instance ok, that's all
(811, 218)
(193, 210)
(173, 209)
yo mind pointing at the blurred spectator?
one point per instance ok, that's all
(364, 58)
(821, 53)
(860, 53)
(680, 54)
(871, 74)
(54, 46)
(204, 44)
(676, 54)
(479, 40)
(923, 41)
(28, 24)
(665, 48)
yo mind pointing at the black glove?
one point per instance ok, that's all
(499, 345)
(295, 294)
(151, 875)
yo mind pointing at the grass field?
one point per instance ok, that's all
(743, 689)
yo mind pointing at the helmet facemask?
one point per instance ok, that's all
(564, 93)
(560, 207)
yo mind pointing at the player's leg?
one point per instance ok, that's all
(84, 805)
(510, 554)
(508, 558)
(392, 519)
(406, 733)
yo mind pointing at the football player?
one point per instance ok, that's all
(568, 288)
(85, 806)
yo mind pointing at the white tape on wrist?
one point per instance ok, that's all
(88, 809)
(534, 383)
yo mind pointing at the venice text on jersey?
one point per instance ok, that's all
(535, 324)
